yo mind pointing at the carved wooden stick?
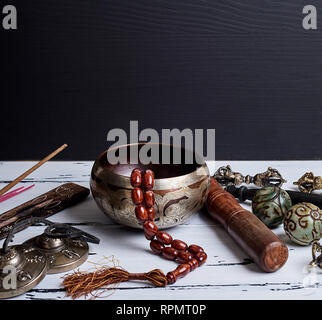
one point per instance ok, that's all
(259, 242)
(43, 206)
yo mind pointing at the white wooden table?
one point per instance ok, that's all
(227, 273)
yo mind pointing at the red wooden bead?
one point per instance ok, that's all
(136, 178)
(148, 180)
(149, 198)
(151, 213)
(169, 253)
(148, 236)
(150, 228)
(137, 195)
(181, 271)
(141, 214)
(194, 249)
(193, 263)
(201, 257)
(184, 257)
(156, 246)
(179, 245)
(164, 237)
(171, 277)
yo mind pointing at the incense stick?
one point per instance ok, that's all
(28, 172)
(14, 193)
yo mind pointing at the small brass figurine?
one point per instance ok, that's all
(317, 260)
(308, 182)
(270, 178)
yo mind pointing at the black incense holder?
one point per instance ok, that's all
(244, 193)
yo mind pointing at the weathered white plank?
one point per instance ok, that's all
(228, 274)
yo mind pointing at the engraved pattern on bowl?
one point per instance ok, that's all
(180, 191)
(172, 208)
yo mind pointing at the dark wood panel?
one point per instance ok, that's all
(247, 68)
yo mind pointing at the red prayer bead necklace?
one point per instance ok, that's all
(161, 242)
(189, 257)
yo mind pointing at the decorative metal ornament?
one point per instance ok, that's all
(270, 204)
(21, 267)
(62, 254)
(303, 223)
(65, 247)
(317, 260)
(270, 178)
(308, 182)
(60, 248)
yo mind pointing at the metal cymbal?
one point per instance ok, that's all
(21, 269)
(62, 254)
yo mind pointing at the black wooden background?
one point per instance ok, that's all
(75, 69)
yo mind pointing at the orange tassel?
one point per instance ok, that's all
(83, 284)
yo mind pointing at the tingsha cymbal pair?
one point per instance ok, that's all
(59, 249)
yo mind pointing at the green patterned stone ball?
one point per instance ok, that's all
(302, 223)
(270, 204)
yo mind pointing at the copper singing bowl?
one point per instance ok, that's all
(180, 190)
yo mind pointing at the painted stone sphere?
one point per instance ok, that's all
(270, 205)
(303, 223)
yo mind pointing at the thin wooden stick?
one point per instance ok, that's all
(28, 172)
(14, 193)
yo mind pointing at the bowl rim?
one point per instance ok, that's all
(199, 174)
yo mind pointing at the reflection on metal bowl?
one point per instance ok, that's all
(180, 189)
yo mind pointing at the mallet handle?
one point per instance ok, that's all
(258, 241)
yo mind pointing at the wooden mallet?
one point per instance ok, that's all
(251, 234)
